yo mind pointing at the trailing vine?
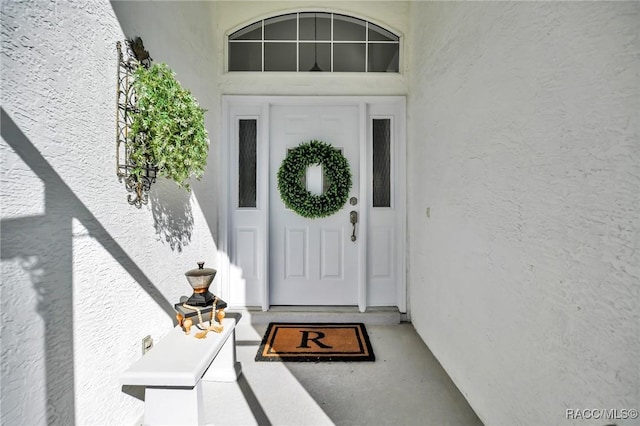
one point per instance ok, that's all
(291, 177)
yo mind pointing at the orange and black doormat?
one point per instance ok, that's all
(315, 342)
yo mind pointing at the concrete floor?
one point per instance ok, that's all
(404, 386)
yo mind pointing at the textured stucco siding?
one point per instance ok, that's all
(523, 142)
(85, 276)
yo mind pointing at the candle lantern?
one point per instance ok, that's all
(200, 279)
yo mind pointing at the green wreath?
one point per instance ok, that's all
(291, 179)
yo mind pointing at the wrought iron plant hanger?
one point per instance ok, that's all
(133, 56)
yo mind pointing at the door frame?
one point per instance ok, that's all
(226, 207)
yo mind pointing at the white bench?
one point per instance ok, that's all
(173, 370)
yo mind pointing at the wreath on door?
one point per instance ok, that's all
(291, 179)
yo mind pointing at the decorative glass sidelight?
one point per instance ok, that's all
(382, 162)
(247, 165)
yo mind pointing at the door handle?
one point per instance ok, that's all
(353, 218)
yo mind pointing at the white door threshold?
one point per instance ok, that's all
(312, 314)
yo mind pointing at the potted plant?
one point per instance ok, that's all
(167, 128)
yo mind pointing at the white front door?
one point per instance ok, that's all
(313, 261)
(269, 255)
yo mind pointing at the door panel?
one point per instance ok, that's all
(331, 258)
(312, 261)
(247, 251)
(296, 257)
(381, 259)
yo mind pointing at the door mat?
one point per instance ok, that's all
(316, 342)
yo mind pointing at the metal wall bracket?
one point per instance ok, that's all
(133, 56)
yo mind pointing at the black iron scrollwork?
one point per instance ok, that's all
(133, 56)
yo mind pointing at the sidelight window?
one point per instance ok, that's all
(247, 162)
(314, 41)
(381, 162)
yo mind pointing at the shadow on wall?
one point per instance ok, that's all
(43, 246)
(178, 34)
(172, 215)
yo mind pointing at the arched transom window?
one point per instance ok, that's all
(311, 41)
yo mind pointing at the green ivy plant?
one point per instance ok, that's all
(167, 127)
(291, 174)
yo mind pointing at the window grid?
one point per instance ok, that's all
(297, 42)
(366, 48)
(332, 42)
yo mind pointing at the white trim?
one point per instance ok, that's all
(224, 262)
(332, 44)
(264, 175)
(366, 47)
(317, 100)
(401, 195)
(399, 200)
(297, 42)
(363, 211)
(261, 47)
(318, 42)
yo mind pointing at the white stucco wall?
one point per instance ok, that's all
(523, 142)
(85, 276)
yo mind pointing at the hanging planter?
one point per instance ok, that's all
(291, 175)
(164, 133)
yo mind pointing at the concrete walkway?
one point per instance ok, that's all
(404, 386)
